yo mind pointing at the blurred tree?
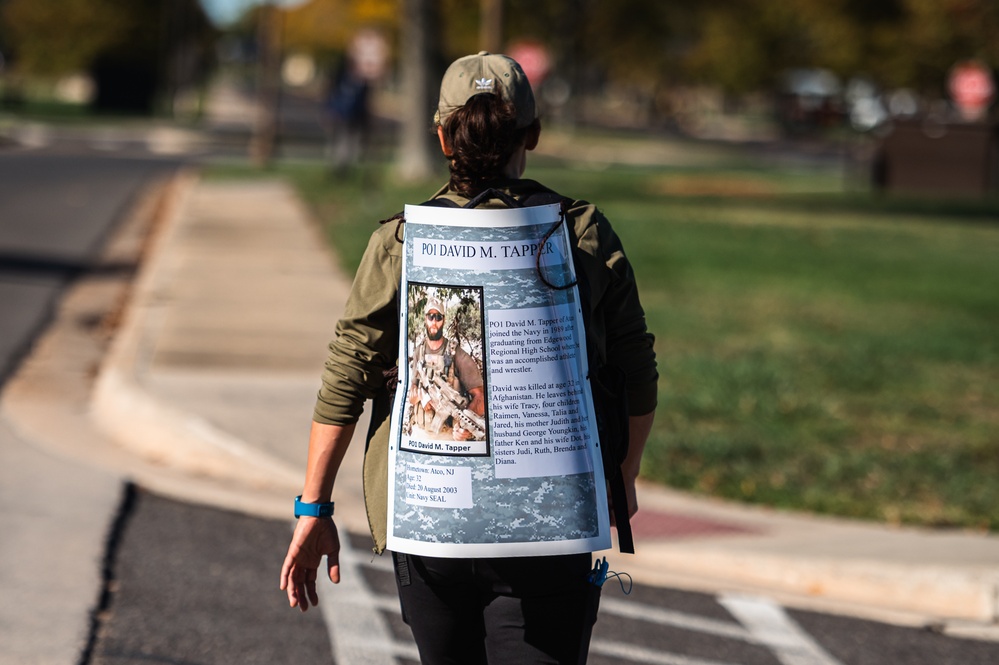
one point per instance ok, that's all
(136, 50)
(419, 68)
(931, 36)
(460, 28)
(739, 45)
(329, 29)
(56, 37)
(324, 28)
(317, 27)
(744, 45)
(637, 41)
(491, 26)
(589, 41)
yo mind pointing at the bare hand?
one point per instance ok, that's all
(313, 539)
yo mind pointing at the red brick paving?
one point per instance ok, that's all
(649, 524)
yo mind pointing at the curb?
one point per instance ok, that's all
(858, 580)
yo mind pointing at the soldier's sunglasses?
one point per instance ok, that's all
(435, 317)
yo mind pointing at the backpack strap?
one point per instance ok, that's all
(610, 405)
(491, 193)
(440, 203)
(477, 200)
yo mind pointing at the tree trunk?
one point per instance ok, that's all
(491, 25)
(416, 159)
(265, 127)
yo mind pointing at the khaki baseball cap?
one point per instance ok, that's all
(486, 72)
(434, 304)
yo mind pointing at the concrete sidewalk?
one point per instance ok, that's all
(211, 378)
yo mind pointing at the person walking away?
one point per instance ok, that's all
(523, 610)
(347, 116)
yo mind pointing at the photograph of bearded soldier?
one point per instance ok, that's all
(447, 394)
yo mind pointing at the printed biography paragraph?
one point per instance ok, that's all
(537, 404)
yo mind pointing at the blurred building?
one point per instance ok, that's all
(950, 149)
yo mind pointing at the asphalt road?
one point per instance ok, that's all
(57, 208)
(199, 585)
(55, 212)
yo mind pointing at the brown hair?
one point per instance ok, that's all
(482, 136)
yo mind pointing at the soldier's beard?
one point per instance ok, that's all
(434, 336)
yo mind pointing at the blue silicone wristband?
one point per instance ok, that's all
(312, 509)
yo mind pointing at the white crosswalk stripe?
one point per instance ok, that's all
(664, 617)
(361, 637)
(358, 631)
(636, 654)
(772, 627)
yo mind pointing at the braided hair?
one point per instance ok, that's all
(482, 136)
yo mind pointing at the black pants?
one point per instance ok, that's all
(521, 611)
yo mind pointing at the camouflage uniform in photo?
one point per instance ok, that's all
(443, 379)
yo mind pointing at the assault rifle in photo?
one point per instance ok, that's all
(447, 403)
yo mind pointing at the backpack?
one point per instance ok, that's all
(608, 382)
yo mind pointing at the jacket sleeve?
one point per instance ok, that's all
(367, 337)
(617, 319)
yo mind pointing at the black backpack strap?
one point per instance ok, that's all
(491, 193)
(610, 404)
(546, 197)
(440, 203)
(477, 200)
(619, 497)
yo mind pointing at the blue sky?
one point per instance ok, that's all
(225, 11)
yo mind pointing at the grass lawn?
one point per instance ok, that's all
(819, 349)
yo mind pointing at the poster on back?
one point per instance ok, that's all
(493, 446)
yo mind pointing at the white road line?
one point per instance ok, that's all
(642, 655)
(659, 615)
(773, 628)
(358, 632)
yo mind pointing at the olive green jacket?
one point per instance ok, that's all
(367, 337)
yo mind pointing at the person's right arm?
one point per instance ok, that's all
(316, 537)
(364, 347)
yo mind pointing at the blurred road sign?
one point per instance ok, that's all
(971, 87)
(533, 59)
